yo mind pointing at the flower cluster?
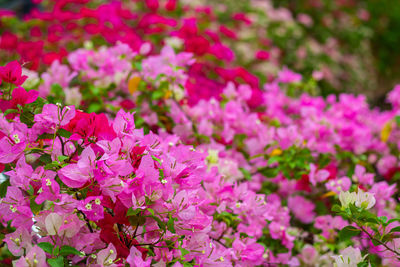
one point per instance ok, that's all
(85, 189)
(163, 149)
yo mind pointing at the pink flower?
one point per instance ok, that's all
(302, 208)
(35, 257)
(317, 176)
(262, 55)
(22, 97)
(50, 189)
(362, 177)
(92, 208)
(76, 175)
(309, 255)
(16, 208)
(288, 76)
(135, 258)
(18, 241)
(53, 116)
(107, 256)
(12, 73)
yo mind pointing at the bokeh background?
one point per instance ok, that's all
(341, 46)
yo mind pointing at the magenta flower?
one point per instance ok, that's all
(12, 73)
(22, 97)
(135, 258)
(92, 207)
(302, 208)
(53, 116)
(76, 175)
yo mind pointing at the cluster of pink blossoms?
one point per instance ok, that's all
(220, 182)
(114, 194)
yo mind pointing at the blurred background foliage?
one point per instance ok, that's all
(355, 22)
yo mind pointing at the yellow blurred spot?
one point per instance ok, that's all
(276, 152)
(328, 194)
(133, 84)
(386, 130)
(168, 94)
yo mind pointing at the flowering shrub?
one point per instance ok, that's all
(232, 41)
(86, 190)
(134, 155)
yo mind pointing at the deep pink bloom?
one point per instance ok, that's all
(22, 97)
(12, 73)
(262, 55)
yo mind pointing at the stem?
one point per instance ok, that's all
(218, 241)
(379, 241)
(62, 145)
(84, 216)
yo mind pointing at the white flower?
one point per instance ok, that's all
(347, 198)
(53, 223)
(174, 42)
(365, 200)
(350, 257)
(72, 96)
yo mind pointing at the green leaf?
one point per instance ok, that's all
(62, 158)
(64, 133)
(393, 220)
(56, 250)
(27, 117)
(31, 191)
(57, 90)
(46, 246)
(57, 262)
(39, 102)
(157, 95)
(160, 223)
(3, 187)
(68, 250)
(336, 208)
(94, 107)
(9, 111)
(132, 212)
(138, 65)
(52, 165)
(246, 174)
(397, 119)
(184, 251)
(36, 208)
(45, 158)
(151, 211)
(348, 232)
(269, 172)
(170, 225)
(363, 264)
(274, 159)
(395, 229)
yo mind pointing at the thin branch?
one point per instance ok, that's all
(378, 241)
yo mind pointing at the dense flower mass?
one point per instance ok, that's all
(152, 138)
